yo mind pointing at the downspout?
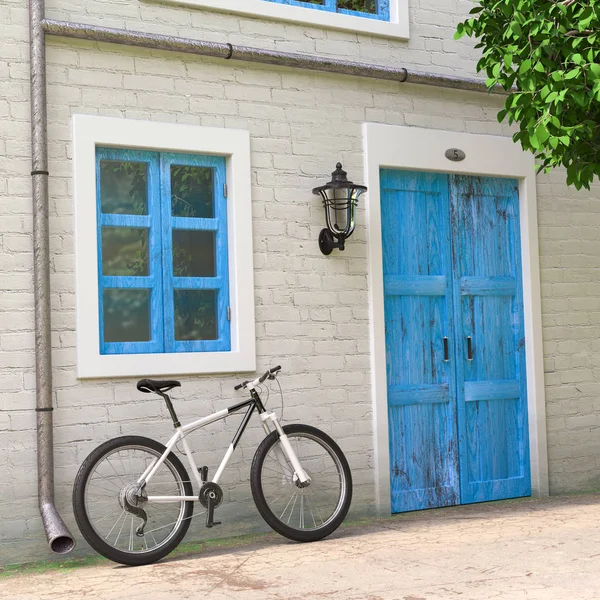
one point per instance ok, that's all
(59, 538)
(157, 41)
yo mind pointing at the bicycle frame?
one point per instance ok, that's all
(252, 404)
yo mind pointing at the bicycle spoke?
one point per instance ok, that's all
(286, 506)
(113, 468)
(311, 512)
(120, 530)
(131, 536)
(292, 509)
(318, 515)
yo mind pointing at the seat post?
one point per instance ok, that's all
(172, 412)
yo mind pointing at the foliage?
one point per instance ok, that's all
(367, 6)
(547, 55)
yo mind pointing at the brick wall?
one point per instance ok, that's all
(311, 311)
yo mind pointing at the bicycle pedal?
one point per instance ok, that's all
(209, 525)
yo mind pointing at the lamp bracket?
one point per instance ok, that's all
(327, 242)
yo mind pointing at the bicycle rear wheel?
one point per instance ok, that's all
(301, 513)
(110, 509)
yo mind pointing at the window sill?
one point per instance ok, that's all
(396, 28)
(150, 365)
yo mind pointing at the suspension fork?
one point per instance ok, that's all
(284, 449)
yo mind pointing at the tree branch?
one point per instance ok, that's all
(575, 32)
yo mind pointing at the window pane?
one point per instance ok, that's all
(193, 253)
(123, 187)
(366, 6)
(195, 314)
(126, 315)
(192, 192)
(125, 251)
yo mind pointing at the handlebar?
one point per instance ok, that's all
(270, 373)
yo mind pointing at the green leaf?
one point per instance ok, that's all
(525, 66)
(541, 133)
(595, 70)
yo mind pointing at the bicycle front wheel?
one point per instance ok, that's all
(113, 512)
(304, 513)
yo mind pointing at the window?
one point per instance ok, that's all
(385, 18)
(163, 249)
(162, 257)
(374, 9)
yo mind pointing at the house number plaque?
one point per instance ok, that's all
(455, 154)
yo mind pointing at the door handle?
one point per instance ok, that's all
(469, 348)
(446, 354)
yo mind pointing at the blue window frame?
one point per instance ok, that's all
(163, 280)
(372, 9)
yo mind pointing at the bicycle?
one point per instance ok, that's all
(133, 499)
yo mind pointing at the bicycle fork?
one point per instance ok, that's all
(285, 450)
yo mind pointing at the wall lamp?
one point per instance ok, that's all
(340, 198)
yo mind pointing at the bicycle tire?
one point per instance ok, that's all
(89, 526)
(266, 508)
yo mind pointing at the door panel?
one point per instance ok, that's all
(418, 316)
(491, 390)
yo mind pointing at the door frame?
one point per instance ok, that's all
(420, 149)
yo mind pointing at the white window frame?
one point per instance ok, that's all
(396, 27)
(420, 149)
(92, 131)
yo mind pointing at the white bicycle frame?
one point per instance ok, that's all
(285, 451)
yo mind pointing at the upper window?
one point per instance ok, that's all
(374, 9)
(386, 18)
(163, 249)
(162, 257)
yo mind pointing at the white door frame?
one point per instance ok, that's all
(418, 149)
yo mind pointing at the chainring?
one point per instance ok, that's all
(207, 489)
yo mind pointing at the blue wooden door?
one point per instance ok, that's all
(490, 339)
(454, 339)
(419, 331)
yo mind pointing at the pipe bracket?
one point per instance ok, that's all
(40, 173)
(50, 409)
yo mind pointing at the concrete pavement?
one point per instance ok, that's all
(527, 549)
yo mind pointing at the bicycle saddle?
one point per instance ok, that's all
(158, 387)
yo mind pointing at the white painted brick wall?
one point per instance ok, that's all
(311, 310)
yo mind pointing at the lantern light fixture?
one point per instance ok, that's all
(340, 198)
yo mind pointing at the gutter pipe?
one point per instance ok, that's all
(156, 41)
(59, 538)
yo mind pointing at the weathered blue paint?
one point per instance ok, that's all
(382, 14)
(218, 224)
(451, 266)
(160, 225)
(417, 272)
(488, 300)
(153, 282)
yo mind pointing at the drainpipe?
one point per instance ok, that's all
(59, 538)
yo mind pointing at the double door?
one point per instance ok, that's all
(457, 402)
